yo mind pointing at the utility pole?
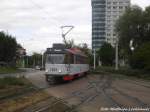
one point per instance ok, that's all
(94, 59)
(116, 55)
(23, 61)
(27, 62)
(42, 52)
(42, 60)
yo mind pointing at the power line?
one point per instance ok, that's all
(38, 6)
(41, 8)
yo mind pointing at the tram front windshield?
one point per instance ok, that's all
(55, 59)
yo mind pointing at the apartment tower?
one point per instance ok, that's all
(104, 16)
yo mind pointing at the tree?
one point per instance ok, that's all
(69, 43)
(133, 30)
(87, 51)
(141, 57)
(37, 59)
(146, 15)
(8, 47)
(130, 29)
(106, 54)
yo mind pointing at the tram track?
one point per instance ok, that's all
(48, 104)
(107, 96)
(135, 99)
(117, 104)
(102, 85)
(113, 101)
(139, 83)
(99, 86)
(83, 98)
(95, 85)
(127, 96)
(20, 94)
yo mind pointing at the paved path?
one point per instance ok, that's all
(20, 74)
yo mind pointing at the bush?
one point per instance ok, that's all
(123, 71)
(140, 58)
(7, 70)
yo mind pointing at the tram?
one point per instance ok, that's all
(65, 64)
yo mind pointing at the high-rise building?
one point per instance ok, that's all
(104, 16)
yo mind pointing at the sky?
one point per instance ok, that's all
(36, 23)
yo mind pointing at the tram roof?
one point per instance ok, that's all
(55, 51)
(76, 52)
(73, 51)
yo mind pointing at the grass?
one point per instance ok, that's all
(11, 87)
(141, 74)
(17, 104)
(11, 81)
(17, 94)
(7, 70)
(8, 82)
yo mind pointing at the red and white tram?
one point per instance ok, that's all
(66, 64)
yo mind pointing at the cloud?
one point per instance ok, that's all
(142, 3)
(35, 26)
(36, 23)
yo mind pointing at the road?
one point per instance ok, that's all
(99, 93)
(19, 74)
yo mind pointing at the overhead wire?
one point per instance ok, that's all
(41, 8)
(38, 6)
(45, 12)
(52, 19)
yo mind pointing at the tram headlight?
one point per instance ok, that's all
(46, 71)
(59, 71)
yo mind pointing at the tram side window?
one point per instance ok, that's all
(86, 60)
(77, 60)
(80, 60)
(69, 59)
